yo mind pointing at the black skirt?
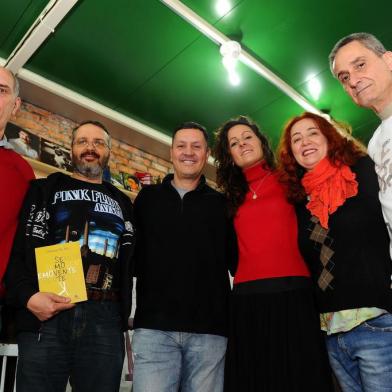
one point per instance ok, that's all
(275, 343)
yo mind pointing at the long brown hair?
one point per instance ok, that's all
(229, 176)
(342, 148)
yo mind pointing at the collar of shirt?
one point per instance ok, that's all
(4, 143)
(387, 112)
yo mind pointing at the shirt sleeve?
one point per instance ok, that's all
(21, 276)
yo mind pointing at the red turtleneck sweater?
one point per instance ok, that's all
(267, 231)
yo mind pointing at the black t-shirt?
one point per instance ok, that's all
(86, 212)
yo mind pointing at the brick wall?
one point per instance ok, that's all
(124, 157)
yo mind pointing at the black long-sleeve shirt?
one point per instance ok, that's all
(353, 256)
(183, 252)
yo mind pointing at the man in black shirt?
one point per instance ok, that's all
(58, 340)
(183, 255)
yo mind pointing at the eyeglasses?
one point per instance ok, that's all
(96, 143)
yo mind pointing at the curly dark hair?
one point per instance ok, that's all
(342, 148)
(229, 176)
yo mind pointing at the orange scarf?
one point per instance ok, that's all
(328, 187)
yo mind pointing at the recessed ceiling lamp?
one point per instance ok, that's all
(222, 7)
(314, 88)
(230, 51)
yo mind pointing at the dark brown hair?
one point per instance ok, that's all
(229, 176)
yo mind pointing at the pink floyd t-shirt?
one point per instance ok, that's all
(88, 213)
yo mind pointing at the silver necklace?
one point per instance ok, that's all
(254, 191)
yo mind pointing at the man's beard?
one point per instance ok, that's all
(92, 170)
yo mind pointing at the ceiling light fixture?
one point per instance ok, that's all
(222, 7)
(314, 88)
(219, 38)
(230, 51)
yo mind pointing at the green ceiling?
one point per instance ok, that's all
(141, 59)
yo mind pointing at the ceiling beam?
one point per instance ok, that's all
(91, 105)
(219, 38)
(43, 26)
(60, 100)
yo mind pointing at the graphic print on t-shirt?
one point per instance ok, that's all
(88, 214)
(383, 166)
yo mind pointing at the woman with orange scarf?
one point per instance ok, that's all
(343, 239)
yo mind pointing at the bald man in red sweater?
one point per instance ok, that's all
(15, 172)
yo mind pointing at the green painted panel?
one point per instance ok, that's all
(107, 52)
(197, 88)
(208, 9)
(16, 18)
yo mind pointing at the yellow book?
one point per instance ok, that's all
(60, 270)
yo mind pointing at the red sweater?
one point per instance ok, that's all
(267, 231)
(15, 175)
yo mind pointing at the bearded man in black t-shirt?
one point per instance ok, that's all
(59, 341)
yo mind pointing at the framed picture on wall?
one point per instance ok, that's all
(117, 180)
(22, 141)
(55, 155)
(130, 182)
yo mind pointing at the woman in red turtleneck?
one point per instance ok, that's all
(274, 339)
